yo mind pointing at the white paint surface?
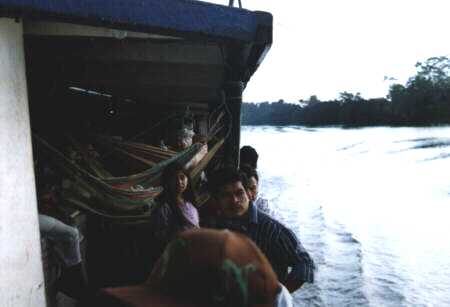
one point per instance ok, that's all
(21, 276)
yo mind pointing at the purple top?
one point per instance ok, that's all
(190, 213)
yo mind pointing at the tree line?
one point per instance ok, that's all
(423, 100)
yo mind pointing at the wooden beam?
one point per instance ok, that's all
(157, 95)
(143, 74)
(233, 94)
(110, 49)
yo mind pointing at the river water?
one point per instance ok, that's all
(371, 205)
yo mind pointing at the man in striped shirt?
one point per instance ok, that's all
(278, 243)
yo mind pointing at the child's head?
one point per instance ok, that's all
(174, 180)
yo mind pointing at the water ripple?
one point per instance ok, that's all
(438, 157)
(349, 146)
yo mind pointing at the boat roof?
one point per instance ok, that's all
(184, 18)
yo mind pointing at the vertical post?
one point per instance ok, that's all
(21, 276)
(233, 96)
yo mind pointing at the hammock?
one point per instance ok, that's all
(146, 154)
(91, 163)
(116, 195)
(106, 190)
(149, 177)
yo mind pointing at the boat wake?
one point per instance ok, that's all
(344, 284)
(338, 258)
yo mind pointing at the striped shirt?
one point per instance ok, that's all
(280, 245)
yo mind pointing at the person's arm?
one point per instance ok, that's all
(298, 259)
(293, 282)
(161, 224)
(159, 230)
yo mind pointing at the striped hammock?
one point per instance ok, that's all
(117, 197)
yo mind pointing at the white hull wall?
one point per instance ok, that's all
(21, 276)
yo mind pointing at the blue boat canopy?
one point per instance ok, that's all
(185, 18)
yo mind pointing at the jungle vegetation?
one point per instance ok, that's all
(423, 100)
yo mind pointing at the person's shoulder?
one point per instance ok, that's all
(266, 218)
(262, 202)
(263, 205)
(268, 221)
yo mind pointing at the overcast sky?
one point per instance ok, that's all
(324, 47)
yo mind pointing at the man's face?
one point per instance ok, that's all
(252, 189)
(232, 200)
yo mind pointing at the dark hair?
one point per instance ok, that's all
(169, 174)
(249, 171)
(248, 155)
(225, 176)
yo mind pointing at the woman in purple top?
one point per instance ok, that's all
(174, 210)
